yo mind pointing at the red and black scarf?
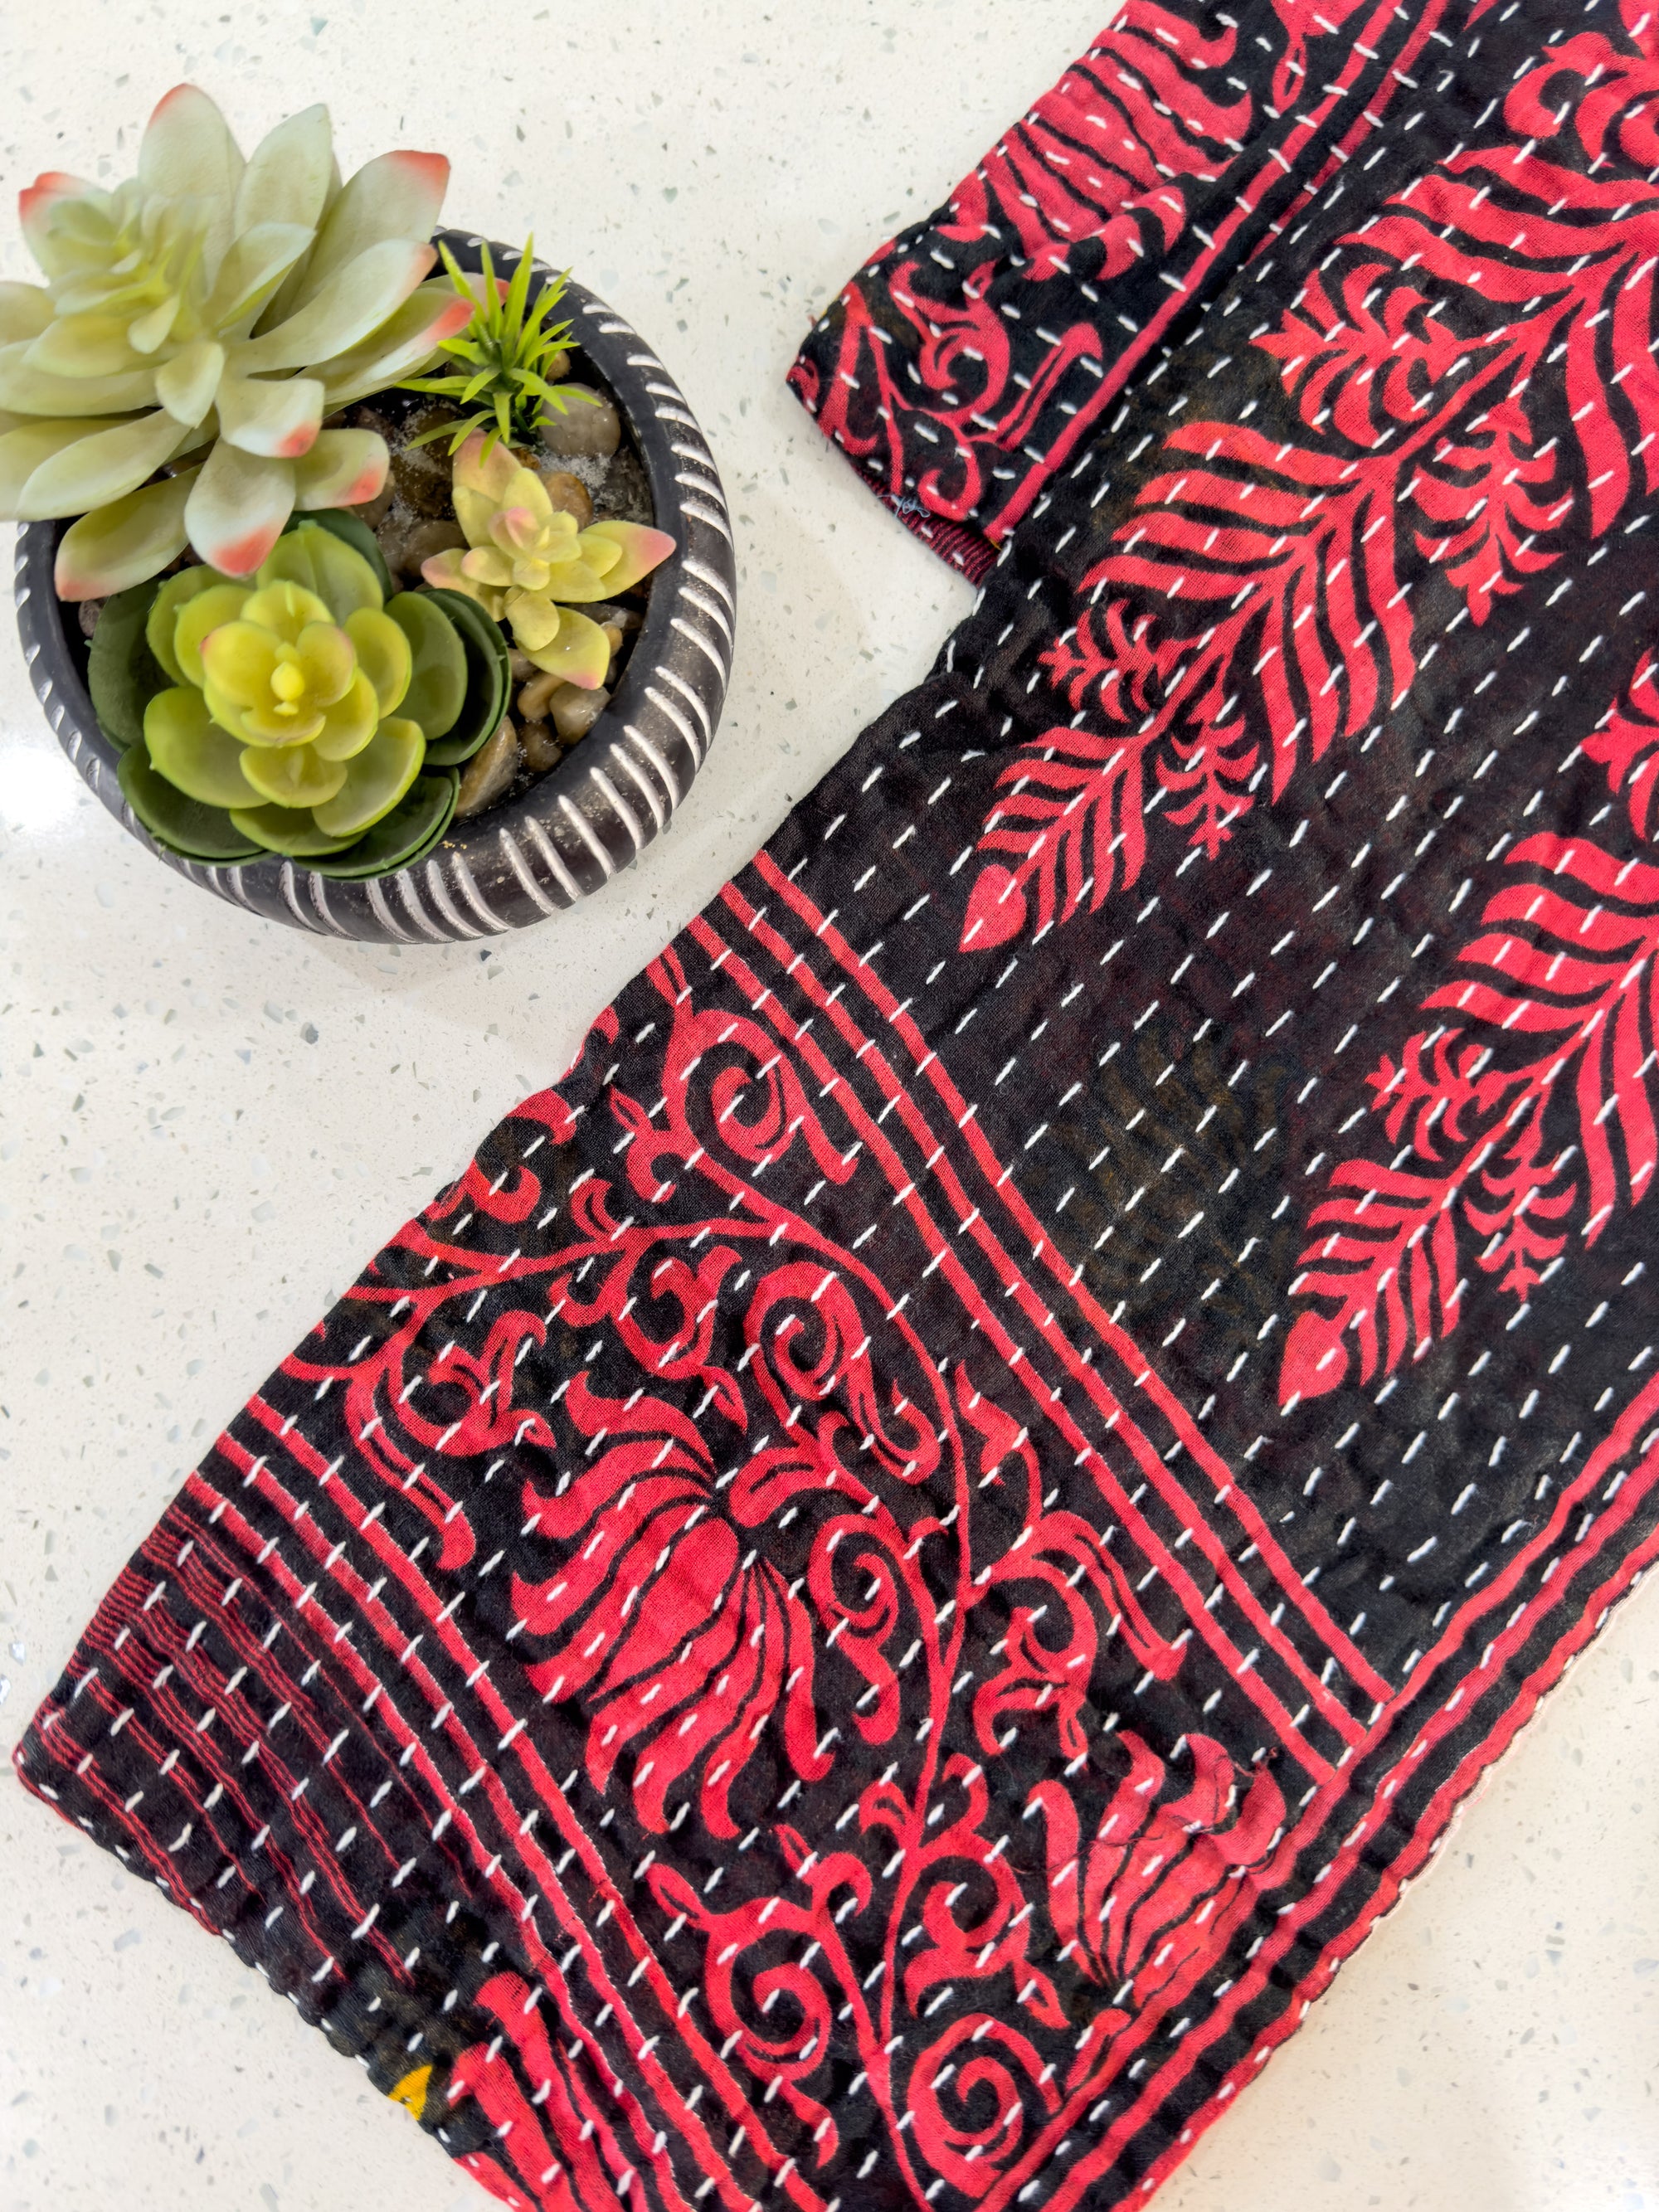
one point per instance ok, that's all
(871, 1601)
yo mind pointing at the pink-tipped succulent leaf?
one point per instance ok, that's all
(239, 508)
(343, 468)
(529, 565)
(123, 543)
(643, 549)
(35, 205)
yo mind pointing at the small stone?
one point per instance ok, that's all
(590, 471)
(609, 616)
(589, 424)
(406, 544)
(427, 538)
(568, 495)
(522, 665)
(422, 477)
(542, 749)
(489, 775)
(575, 711)
(90, 611)
(537, 691)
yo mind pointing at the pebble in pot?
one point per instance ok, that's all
(589, 425)
(542, 749)
(535, 694)
(566, 494)
(490, 773)
(617, 622)
(571, 711)
(574, 712)
(569, 493)
(405, 544)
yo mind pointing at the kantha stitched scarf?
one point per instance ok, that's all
(865, 1609)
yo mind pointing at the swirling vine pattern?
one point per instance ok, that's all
(773, 1551)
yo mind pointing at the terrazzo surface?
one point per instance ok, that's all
(206, 1123)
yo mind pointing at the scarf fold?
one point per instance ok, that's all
(975, 353)
(871, 1601)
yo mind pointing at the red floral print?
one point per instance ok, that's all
(1161, 1878)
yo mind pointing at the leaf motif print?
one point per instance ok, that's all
(1482, 526)
(1529, 1109)
(1102, 156)
(1071, 817)
(1614, 100)
(1626, 745)
(1073, 822)
(1305, 22)
(1256, 606)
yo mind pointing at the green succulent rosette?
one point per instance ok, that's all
(528, 564)
(299, 706)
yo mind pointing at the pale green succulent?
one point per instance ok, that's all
(210, 311)
(528, 564)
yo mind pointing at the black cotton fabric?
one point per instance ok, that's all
(870, 1603)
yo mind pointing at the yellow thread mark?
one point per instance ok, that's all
(411, 2090)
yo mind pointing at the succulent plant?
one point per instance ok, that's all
(528, 564)
(507, 353)
(205, 316)
(295, 711)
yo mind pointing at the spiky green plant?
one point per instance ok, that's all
(501, 386)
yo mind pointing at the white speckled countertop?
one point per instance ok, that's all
(208, 1122)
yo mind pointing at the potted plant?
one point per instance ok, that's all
(339, 588)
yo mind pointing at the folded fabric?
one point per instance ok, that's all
(866, 1608)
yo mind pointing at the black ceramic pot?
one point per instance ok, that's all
(592, 814)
